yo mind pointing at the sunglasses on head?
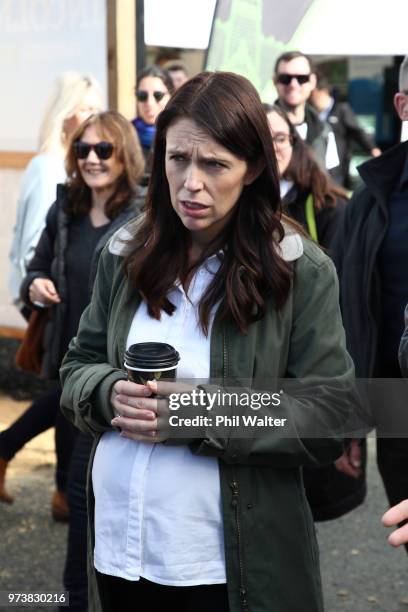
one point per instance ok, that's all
(142, 95)
(285, 79)
(103, 150)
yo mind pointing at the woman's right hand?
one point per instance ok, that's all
(142, 411)
(135, 411)
(43, 291)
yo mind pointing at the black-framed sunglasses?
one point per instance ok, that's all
(285, 79)
(103, 150)
(143, 95)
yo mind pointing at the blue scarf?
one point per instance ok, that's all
(146, 132)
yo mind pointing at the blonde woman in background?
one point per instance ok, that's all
(74, 98)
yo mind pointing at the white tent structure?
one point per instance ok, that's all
(178, 23)
(343, 27)
(355, 27)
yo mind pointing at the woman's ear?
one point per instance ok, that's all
(254, 170)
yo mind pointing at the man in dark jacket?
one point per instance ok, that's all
(371, 255)
(294, 80)
(346, 129)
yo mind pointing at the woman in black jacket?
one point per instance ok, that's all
(309, 194)
(312, 198)
(104, 165)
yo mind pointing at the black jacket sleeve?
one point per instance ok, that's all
(345, 232)
(40, 265)
(328, 221)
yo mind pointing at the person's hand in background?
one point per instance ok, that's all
(42, 291)
(350, 461)
(394, 516)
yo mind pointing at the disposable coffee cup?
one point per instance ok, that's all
(151, 361)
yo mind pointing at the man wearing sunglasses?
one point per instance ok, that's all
(294, 80)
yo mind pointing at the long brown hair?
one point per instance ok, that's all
(304, 170)
(227, 108)
(116, 129)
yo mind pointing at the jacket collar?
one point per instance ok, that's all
(382, 174)
(290, 248)
(314, 126)
(61, 190)
(119, 243)
(133, 207)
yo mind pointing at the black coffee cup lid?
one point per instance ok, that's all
(151, 356)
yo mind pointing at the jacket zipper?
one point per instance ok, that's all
(370, 268)
(235, 505)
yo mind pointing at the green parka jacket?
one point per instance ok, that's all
(270, 546)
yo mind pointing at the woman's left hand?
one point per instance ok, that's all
(144, 419)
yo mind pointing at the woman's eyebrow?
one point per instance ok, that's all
(214, 157)
(176, 149)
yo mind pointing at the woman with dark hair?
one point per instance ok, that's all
(210, 521)
(153, 89)
(309, 195)
(312, 198)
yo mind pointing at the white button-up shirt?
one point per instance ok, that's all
(158, 508)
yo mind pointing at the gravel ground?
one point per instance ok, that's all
(32, 545)
(360, 571)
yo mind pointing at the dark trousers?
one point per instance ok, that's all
(141, 595)
(75, 571)
(42, 414)
(392, 461)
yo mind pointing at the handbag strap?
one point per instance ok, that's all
(311, 218)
